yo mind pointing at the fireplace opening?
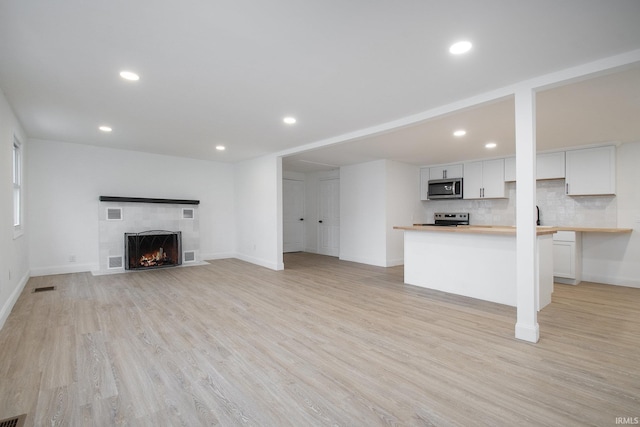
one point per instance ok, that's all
(152, 249)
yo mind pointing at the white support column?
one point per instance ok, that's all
(527, 319)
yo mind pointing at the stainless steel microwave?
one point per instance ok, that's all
(450, 188)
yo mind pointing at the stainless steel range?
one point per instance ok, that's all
(450, 219)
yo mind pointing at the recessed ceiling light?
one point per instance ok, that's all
(460, 132)
(289, 120)
(129, 75)
(460, 47)
(220, 147)
(491, 145)
(105, 128)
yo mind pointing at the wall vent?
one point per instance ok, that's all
(14, 422)
(188, 213)
(115, 262)
(189, 256)
(114, 214)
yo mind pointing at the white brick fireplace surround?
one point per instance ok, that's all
(118, 216)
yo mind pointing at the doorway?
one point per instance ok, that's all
(329, 217)
(292, 215)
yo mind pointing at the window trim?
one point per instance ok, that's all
(18, 188)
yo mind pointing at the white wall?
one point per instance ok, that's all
(374, 197)
(615, 259)
(258, 210)
(14, 264)
(402, 206)
(67, 179)
(362, 213)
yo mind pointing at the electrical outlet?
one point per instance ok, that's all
(72, 258)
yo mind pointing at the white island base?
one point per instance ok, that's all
(474, 264)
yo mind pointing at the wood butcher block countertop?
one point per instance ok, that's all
(507, 229)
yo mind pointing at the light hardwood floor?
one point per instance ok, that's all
(324, 342)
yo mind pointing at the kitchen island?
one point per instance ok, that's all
(474, 261)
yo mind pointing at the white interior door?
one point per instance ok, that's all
(329, 217)
(292, 215)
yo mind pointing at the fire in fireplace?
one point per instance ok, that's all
(152, 249)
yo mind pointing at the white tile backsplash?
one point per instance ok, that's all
(556, 208)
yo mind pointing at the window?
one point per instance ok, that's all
(17, 185)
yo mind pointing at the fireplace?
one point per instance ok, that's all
(152, 249)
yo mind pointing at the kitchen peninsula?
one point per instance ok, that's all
(474, 261)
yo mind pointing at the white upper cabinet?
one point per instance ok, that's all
(510, 169)
(424, 183)
(472, 184)
(445, 171)
(591, 171)
(548, 166)
(484, 179)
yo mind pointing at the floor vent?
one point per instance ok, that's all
(42, 289)
(189, 256)
(116, 262)
(14, 422)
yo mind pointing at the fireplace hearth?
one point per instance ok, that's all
(152, 249)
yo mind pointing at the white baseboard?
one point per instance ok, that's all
(526, 332)
(367, 261)
(13, 298)
(64, 269)
(395, 262)
(607, 280)
(219, 255)
(261, 262)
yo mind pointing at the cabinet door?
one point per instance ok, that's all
(591, 171)
(445, 171)
(454, 171)
(436, 172)
(472, 184)
(563, 259)
(493, 179)
(550, 165)
(510, 169)
(424, 183)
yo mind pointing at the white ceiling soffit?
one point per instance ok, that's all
(227, 72)
(592, 111)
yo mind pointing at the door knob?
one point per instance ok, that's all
(320, 221)
(301, 219)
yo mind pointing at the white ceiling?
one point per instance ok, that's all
(227, 72)
(602, 109)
